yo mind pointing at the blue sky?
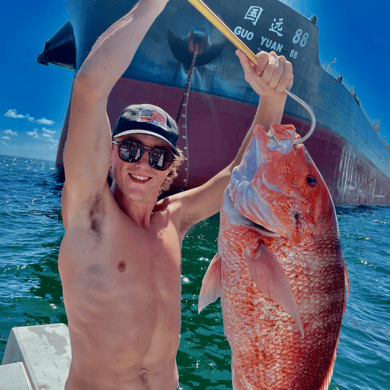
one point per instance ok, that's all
(34, 98)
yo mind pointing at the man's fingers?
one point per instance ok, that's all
(278, 73)
(286, 77)
(262, 61)
(272, 73)
(246, 63)
(290, 82)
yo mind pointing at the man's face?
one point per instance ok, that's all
(138, 180)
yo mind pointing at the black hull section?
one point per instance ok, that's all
(354, 161)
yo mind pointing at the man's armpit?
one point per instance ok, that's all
(96, 212)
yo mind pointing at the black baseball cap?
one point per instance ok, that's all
(150, 120)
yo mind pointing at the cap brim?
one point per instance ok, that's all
(146, 132)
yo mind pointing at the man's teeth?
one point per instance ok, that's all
(139, 177)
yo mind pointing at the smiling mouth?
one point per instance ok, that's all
(139, 178)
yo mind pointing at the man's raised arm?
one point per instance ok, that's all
(88, 145)
(272, 75)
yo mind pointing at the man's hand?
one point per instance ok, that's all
(271, 76)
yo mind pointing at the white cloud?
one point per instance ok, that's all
(12, 114)
(52, 132)
(44, 121)
(33, 134)
(49, 138)
(6, 137)
(10, 132)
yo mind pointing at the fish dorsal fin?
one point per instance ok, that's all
(272, 281)
(211, 284)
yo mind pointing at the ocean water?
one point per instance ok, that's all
(30, 288)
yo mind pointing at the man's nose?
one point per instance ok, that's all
(144, 158)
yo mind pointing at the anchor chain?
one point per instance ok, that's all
(184, 103)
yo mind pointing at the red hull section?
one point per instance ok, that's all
(350, 176)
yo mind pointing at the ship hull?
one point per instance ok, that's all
(349, 154)
(216, 127)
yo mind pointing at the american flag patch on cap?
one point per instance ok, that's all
(154, 117)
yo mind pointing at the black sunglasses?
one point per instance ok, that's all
(131, 151)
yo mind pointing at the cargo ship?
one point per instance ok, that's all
(187, 67)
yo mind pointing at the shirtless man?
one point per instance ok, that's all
(120, 258)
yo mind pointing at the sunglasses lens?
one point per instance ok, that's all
(131, 152)
(160, 159)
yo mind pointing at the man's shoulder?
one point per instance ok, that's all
(175, 203)
(178, 209)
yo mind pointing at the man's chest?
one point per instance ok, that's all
(123, 258)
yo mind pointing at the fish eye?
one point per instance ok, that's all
(311, 180)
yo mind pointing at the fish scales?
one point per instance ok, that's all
(269, 351)
(243, 304)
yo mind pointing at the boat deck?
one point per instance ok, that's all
(36, 357)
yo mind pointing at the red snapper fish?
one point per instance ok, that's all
(279, 269)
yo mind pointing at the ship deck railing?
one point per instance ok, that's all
(351, 88)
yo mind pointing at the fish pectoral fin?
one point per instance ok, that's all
(211, 284)
(272, 281)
